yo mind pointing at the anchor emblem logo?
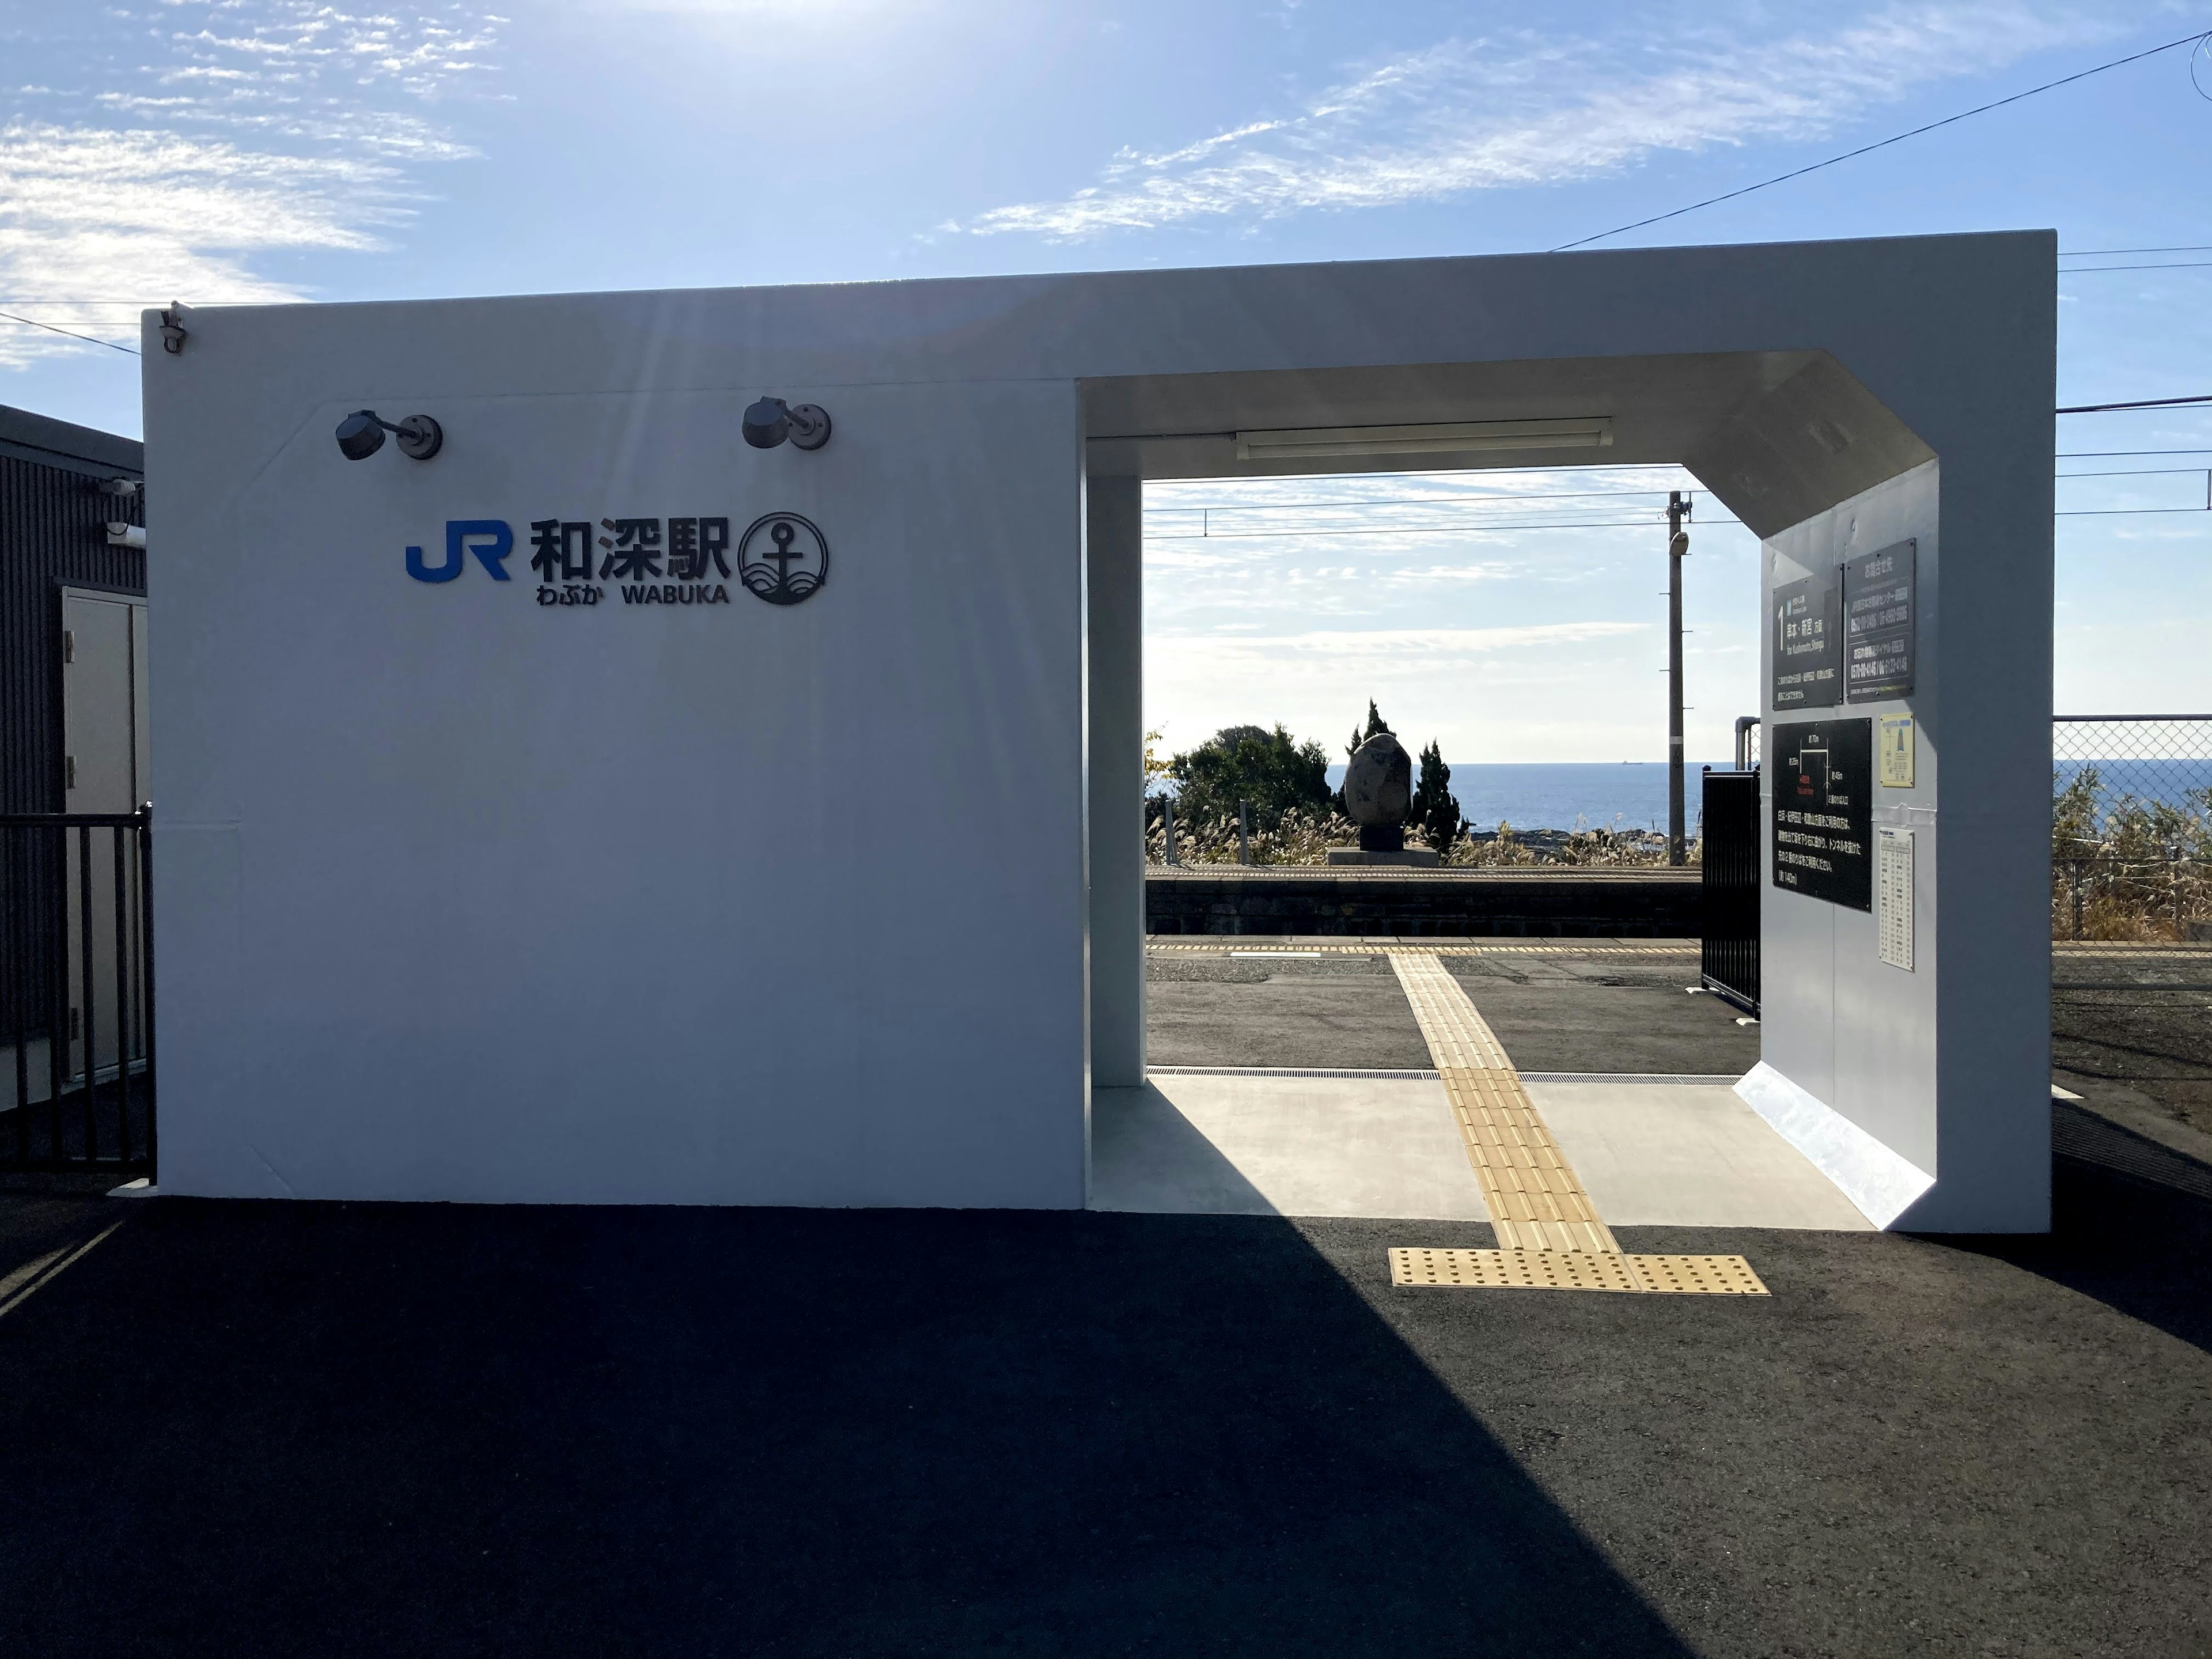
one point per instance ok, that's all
(782, 558)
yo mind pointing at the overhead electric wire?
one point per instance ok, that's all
(2098, 270)
(1884, 144)
(1464, 502)
(1425, 529)
(2140, 472)
(1412, 500)
(2122, 512)
(2100, 252)
(33, 322)
(2140, 403)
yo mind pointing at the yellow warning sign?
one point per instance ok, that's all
(1896, 751)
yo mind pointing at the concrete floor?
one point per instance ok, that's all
(1648, 1154)
(1667, 1155)
(1686, 1155)
(1281, 1146)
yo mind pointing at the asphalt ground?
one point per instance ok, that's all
(1553, 1013)
(2144, 1054)
(247, 1428)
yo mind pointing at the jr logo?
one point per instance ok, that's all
(490, 539)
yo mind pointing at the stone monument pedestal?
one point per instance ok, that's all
(1411, 858)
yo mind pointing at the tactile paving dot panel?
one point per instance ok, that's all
(1698, 1275)
(1556, 1270)
(1575, 1270)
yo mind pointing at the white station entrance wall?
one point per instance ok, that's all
(470, 897)
(460, 896)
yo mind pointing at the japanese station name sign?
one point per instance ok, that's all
(781, 558)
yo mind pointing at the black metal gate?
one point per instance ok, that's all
(1730, 952)
(76, 992)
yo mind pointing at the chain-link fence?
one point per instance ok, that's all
(2131, 852)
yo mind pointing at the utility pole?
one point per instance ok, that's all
(1678, 548)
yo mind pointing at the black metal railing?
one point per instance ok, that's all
(1729, 947)
(76, 992)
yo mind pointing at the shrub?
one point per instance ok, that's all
(1270, 769)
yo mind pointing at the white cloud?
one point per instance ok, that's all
(1426, 645)
(254, 127)
(1504, 111)
(1562, 682)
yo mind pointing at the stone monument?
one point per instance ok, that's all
(1378, 794)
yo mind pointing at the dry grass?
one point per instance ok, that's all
(1305, 838)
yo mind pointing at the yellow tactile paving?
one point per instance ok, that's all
(1549, 1235)
(1698, 1275)
(1578, 1270)
(1535, 1201)
(1457, 1037)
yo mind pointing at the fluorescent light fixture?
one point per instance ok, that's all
(1453, 438)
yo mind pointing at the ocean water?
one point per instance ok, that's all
(1540, 795)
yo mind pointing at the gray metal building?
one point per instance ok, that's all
(72, 596)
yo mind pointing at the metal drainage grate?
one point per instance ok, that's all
(1578, 1270)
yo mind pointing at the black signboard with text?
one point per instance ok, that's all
(1823, 810)
(1880, 609)
(1809, 657)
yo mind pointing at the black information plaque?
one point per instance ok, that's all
(1880, 609)
(1824, 810)
(1809, 657)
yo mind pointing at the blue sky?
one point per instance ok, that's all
(266, 149)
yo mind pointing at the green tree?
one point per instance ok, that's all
(1435, 809)
(1270, 769)
(1375, 723)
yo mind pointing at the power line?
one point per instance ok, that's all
(2175, 265)
(2098, 252)
(2141, 403)
(2124, 512)
(1408, 501)
(1463, 502)
(2140, 472)
(33, 322)
(1425, 529)
(1884, 144)
(1577, 523)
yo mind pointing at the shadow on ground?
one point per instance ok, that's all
(2130, 1226)
(321, 1428)
(240, 1428)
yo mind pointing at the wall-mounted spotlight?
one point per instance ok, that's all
(771, 420)
(361, 434)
